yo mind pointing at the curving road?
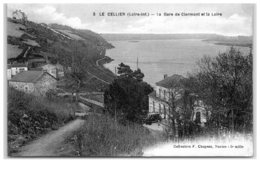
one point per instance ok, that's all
(48, 144)
(99, 68)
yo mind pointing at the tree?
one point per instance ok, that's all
(18, 14)
(127, 96)
(226, 81)
(124, 70)
(74, 79)
(180, 104)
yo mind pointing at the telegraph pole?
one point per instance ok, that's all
(137, 62)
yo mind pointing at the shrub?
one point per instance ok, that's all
(30, 116)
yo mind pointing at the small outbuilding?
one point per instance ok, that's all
(56, 70)
(33, 82)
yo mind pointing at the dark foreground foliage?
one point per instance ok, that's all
(127, 96)
(225, 84)
(30, 116)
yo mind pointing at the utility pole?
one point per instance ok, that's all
(137, 62)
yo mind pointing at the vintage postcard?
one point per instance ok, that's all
(130, 80)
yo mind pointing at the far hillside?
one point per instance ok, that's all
(245, 41)
(77, 50)
(82, 34)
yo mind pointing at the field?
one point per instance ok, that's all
(13, 51)
(73, 36)
(14, 29)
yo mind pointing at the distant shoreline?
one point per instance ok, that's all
(240, 41)
(235, 44)
(225, 43)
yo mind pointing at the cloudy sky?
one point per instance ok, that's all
(236, 19)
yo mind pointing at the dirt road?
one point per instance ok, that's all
(49, 143)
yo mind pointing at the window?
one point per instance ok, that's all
(198, 118)
(160, 91)
(164, 94)
(153, 106)
(164, 111)
(159, 108)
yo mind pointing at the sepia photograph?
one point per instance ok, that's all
(129, 80)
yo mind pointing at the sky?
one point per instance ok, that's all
(236, 19)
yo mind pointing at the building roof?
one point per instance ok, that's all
(16, 65)
(49, 65)
(171, 82)
(37, 60)
(29, 76)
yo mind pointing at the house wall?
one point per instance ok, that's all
(39, 88)
(160, 107)
(9, 74)
(55, 70)
(16, 70)
(159, 104)
(162, 93)
(44, 84)
(22, 86)
(51, 69)
(166, 93)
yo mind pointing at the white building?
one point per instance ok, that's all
(14, 69)
(56, 70)
(172, 89)
(9, 72)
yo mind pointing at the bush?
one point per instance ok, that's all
(51, 94)
(30, 116)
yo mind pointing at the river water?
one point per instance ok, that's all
(159, 57)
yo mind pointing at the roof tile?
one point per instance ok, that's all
(28, 76)
(171, 82)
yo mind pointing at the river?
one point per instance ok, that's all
(159, 57)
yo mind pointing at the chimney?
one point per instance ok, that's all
(165, 76)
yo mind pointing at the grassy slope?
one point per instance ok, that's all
(101, 136)
(30, 117)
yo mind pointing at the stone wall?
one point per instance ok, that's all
(45, 83)
(9, 74)
(23, 86)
